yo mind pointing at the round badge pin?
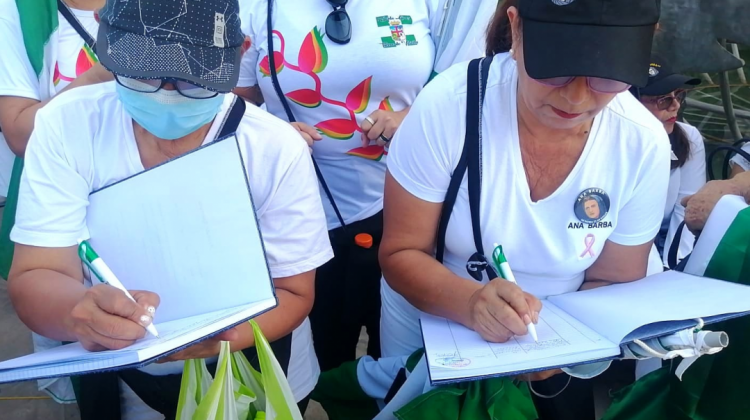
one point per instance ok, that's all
(592, 205)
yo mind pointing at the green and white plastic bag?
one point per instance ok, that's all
(238, 391)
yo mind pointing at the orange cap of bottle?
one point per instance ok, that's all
(364, 240)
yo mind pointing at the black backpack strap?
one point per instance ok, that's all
(471, 162)
(288, 110)
(233, 118)
(674, 247)
(73, 21)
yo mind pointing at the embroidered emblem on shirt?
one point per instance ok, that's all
(562, 2)
(398, 35)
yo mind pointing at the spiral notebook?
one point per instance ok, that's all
(584, 327)
(187, 231)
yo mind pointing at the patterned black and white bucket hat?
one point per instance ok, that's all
(197, 41)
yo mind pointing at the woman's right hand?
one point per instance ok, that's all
(501, 310)
(106, 319)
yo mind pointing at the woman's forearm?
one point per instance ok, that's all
(428, 285)
(18, 114)
(43, 300)
(276, 323)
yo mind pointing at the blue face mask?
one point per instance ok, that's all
(167, 114)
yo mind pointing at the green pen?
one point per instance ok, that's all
(501, 264)
(103, 273)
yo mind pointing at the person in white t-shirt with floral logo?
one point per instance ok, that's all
(156, 110)
(558, 130)
(348, 71)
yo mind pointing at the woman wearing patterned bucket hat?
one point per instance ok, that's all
(175, 64)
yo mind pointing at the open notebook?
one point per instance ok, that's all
(583, 327)
(187, 231)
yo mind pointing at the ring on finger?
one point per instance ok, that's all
(369, 120)
(384, 138)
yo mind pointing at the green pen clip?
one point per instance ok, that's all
(498, 257)
(87, 254)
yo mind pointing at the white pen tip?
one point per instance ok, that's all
(532, 331)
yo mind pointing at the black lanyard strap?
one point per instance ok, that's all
(290, 115)
(76, 24)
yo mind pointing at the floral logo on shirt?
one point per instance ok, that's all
(313, 60)
(86, 60)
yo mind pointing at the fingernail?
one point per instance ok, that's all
(151, 310)
(527, 319)
(146, 320)
(536, 317)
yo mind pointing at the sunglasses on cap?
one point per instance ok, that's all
(664, 102)
(338, 23)
(185, 89)
(597, 84)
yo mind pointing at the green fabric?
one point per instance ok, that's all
(341, 396)
(715, 386)
(9, 218)
(489, 399)
(38, 22)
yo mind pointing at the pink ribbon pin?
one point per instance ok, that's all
(589, 240)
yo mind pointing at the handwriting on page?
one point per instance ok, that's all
(459, 347)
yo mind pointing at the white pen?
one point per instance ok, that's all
(502, 264)
(105, 275)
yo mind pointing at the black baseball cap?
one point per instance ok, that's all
(662, 80)
(610, 39)
(197, 41)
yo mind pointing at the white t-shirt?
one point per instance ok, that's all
(624, 166)
(741, 161)
(17, 77)
(65, 162)
(334, 87)
(684, 181)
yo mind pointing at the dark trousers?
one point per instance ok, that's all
(347, 295)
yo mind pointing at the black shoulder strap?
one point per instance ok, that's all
(470, 161)
(68, 15)
(233, 118)
(288, 109)
(674, 247)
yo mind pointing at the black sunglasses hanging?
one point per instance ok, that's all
(338, 23)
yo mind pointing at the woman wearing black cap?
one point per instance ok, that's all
(664, 95)
(557, 126)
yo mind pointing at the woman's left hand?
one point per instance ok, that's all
(380, 126)
(204, 349)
